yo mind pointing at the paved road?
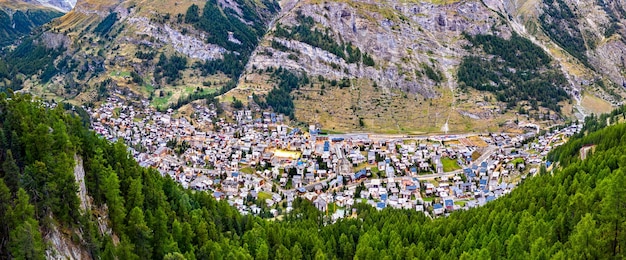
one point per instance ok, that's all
(438, 175)
(422, 137)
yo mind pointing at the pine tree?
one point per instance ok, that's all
(111, 187)
(515, 249)
(25, 239)
(296, 252)
(613, 205)
(583, 240)
(135, 193)
(140, 234)
(11, 172)
(35, 182)
(162, 239)
(5, 214)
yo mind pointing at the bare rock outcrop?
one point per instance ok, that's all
(401, 37)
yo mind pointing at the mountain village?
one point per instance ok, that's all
(260, 165)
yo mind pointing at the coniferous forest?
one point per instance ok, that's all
(574, 212)
(517, 71)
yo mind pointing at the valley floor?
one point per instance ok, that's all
(260, 165)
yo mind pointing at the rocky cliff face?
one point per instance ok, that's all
(62, 5)
(584, 39)
(61, 245)
(402, 38)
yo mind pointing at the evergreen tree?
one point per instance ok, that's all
(5, 218)
(25, 239)
(111, 187)
(11, 172)
(139, 233)
(613, 205)
(584, 239)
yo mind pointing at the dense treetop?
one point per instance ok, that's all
(514, 70)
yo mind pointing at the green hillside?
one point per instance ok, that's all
(17, 21)
(576, 212)
(200, 44)
(518, 71)
(21, 22)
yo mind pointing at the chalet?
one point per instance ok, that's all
(296, 181)
(430, 188)
(405, 194)
(359, 175)
(482, 171)
(371, 157)
(310, 177)
(438, 209)
(320, 204)
(381, 166)
(438, 165)
(162, 151)
(467, 186)
(424, 166)
(449, 203)
(218, 195)
(482, 184)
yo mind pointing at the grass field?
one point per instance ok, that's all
(332, 208)
(449, 165)
(120, 74)
(264, 195)
(172, 94)
(428, 199)
(148, 88)
(161, 101)
(367, 108)
(517, 161)
(247, 170)
(116, 112)
(478, 141)
(595, 104)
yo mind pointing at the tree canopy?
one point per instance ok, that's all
(515, 70)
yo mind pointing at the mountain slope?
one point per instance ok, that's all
(381, 66)
(61, 5)
(403, 72)
(18, 19)
(586, 37)
(170, 48)
(420, 47)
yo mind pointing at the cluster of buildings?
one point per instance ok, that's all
(260, 165)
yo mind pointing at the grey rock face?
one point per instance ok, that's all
(192, 45)
(62, 5)
(401, 44)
